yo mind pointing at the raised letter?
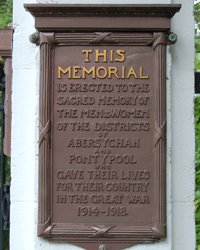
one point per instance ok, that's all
(64, 71)
(87, 53)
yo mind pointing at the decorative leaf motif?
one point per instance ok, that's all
(45, 229)
(102, 37)
(158, 38)
(158, 230)
(160, 132)
(100, 231)
(44, 131)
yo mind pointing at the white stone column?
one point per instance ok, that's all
(182, 115)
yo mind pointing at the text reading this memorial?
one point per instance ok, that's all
(102, 127)
(102, 145)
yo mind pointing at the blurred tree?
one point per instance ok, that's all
(5, 13)
(197, 12)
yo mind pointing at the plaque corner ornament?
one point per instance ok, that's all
(44, 229)
(101, 231)
(159, 231)
(160, 132)
(162, 38)
(159, 38)
(39, 38)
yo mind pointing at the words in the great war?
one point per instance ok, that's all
(102, 141)
(102, 133)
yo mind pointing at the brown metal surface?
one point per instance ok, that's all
(7, 105)
(64, 17)
(6, 42)
(6, 36)
(102, 131)
(124, 10)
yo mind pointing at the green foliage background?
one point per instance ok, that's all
(5, 12)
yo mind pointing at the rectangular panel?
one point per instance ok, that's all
(102, 137)
(102, 159)
(6, 42)
(103, 134)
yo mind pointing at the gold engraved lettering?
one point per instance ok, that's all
(87, 53)
(88, 72)
(101, 72)
(111, 55)
(77, 72)
(132, 72)
(113, 71)
(105, 55)
(121, 54)
(141, 74)
(100, 54)
(64, 71)
(123, 72)
(108, 55)
(101, 127)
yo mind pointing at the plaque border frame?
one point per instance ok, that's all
(92, 233)
(85, 232)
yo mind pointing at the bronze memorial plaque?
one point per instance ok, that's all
(103, 123)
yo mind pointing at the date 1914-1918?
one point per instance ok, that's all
(109, 211)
